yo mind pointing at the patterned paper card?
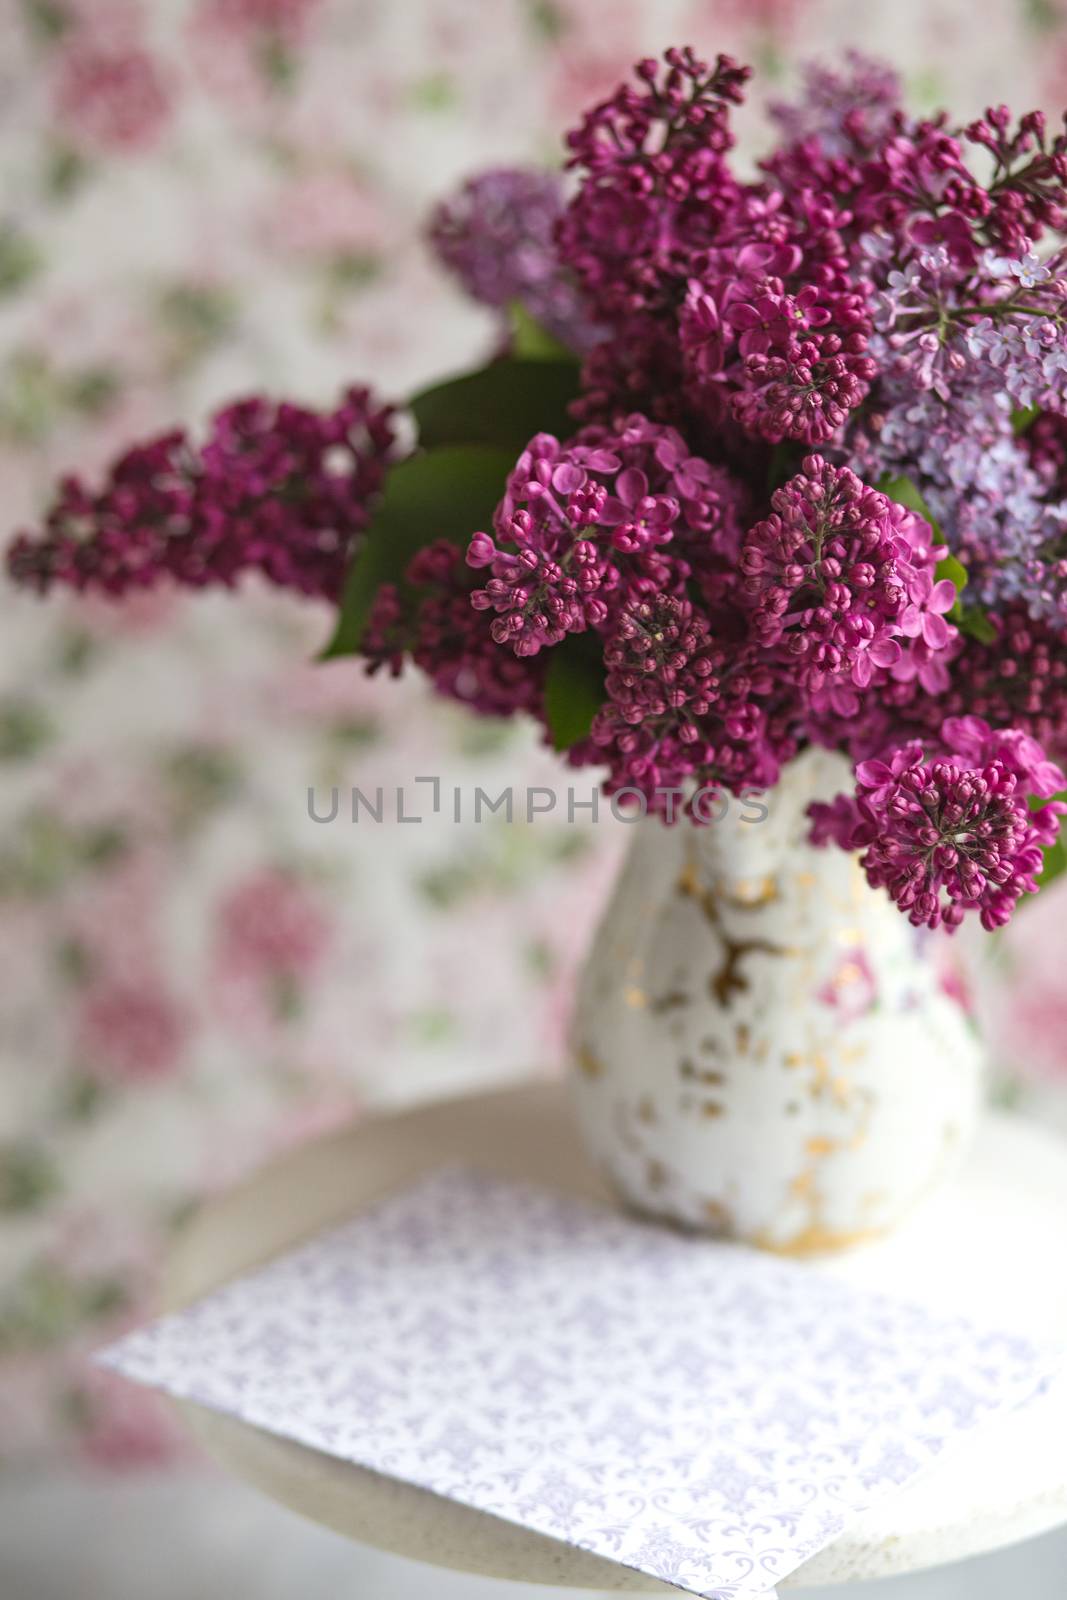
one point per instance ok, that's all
(705, 1414)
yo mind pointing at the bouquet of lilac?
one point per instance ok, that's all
(760, 464)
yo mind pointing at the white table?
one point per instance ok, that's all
(991, 1244)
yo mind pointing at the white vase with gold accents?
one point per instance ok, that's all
(764, 1048)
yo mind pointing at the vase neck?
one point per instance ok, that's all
(754, 838)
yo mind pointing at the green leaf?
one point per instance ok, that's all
(953, 569)
(1021, 420)
(531, 342)
(974, 622)
(574, 691)
(1055, 864)
(970, 619)
(906, 493)
(503, 404)
(784, 464)
(439, 494)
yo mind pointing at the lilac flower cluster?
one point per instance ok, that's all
(1018, 678)
(496, 235)
(842, 114)
(815, 489)
(875, 297)
(835, 578)
(447, 639)
(652, 153)
(742, 293)
(588, 526)
(950, 833)
(679, 702)
(274, 488)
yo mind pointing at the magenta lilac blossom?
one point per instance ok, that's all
(275, 488)
(952, 831)
(586, 527)
(687, 713)
(838, 581)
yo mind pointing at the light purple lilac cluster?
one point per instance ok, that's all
(496, 235)
(814, 490)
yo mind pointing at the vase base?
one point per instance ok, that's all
(820, 1241)
(812, 1242)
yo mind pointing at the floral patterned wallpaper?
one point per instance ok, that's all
(199, 198)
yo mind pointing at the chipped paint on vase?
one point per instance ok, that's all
(764, 1047)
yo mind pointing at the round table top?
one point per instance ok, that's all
(990, 1244)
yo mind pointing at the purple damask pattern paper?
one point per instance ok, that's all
(702, 1413)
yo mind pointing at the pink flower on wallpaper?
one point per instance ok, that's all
(328, 692)
(953, 981)
(247, 50)
(851, 989)
(1054, 65)
(315, 1119)
(325, 215)
(113, 912)
(285, 19)
(272, 926)
(150, 611)
(1039, 1030)
(583, 78)
(125, 1430)
(597, 47)
(132, 1030)
(111, 96)
(91, 1242)
(1020, 990)
(775, 17)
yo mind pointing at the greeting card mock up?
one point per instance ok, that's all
(703, 1413)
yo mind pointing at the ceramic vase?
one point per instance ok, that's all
(763, 1047)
